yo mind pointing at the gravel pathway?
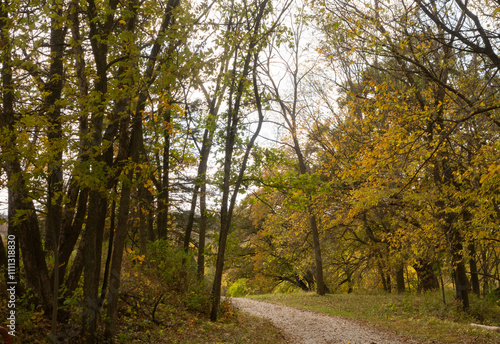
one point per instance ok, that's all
(306, 327)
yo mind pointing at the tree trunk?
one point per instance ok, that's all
(227, 211)
(149, 75)
(119, 244)
(321, 288)
(320, 284)
(150, 217)
(3, 258)
(382, 275)
(75, 271)
(135, 145)
(52, 109)
(219, 265)
(109, 255)
(70, 233)
(290, 113)
(474, 273)
(164, 192)
(200, 271)
(427, 279)
(22, 218)
(400, 279)
(462, 285)
(143, 210)
(30, 242)
(200, 181)
(233, 119)
(72, 222)
(92, 255)
(92, 236)
(455, 241)
(485, 268)
(460, 274)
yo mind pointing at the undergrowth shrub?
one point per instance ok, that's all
(485, 310)
(171, 264)
(286, 287)
(227, 310)
(160, 290)
(239, 288)
(197, 297)
(177, 270)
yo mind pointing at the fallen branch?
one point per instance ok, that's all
(484, 327)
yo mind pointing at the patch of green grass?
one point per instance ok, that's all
(421, 316)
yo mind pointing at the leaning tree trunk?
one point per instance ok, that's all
(134, 148)
(116, 263)
(233, 120)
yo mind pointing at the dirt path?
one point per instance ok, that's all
(306, 327)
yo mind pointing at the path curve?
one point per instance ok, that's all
(307, 327)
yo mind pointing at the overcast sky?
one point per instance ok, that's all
(3, 202)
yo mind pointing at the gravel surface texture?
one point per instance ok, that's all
(306, 327)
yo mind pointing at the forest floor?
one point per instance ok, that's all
(307, 327)
(306, 318)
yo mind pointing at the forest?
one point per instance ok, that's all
(236, 147)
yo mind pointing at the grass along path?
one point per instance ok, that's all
(306, 327)
(422, 317)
